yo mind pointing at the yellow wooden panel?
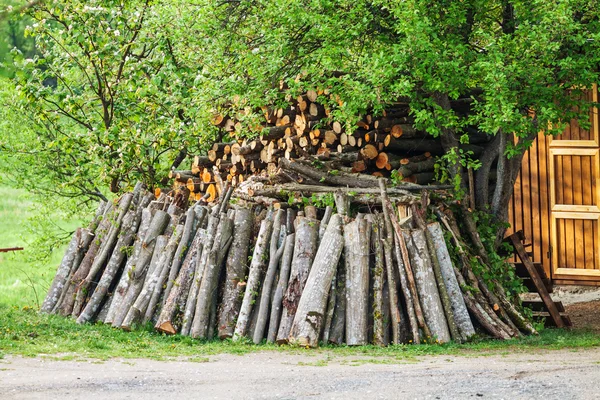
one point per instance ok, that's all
(571, 258)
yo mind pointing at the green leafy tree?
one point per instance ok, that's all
(522, 64)
(104, 94)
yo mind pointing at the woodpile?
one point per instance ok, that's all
(304, 256)
(377, 146)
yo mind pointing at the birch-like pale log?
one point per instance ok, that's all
(125, 239)
(284, 275)
(259, 262)
(433, 310)
(310, 315)
(135, 311)
(275, 254)
(356, 254)
(236, 269)
(305, 249)
(169, 319)
(127, 275)
(190, 305)
(208, 285)
(459, 308)
(338, 322)
(139, 270)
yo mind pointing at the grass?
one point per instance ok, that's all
(25, 332)
(23, 281)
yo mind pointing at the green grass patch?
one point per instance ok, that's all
(25, 332)
(24, 280)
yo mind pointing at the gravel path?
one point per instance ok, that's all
(280, 375)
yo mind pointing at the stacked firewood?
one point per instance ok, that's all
(375, 146)
(363, 267)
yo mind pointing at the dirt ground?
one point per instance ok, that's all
(274, 375)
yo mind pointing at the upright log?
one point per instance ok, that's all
(159, 223)
(123, 286)
(282, 282)
(104, 252)
(190, 305)
(236, 269)
(338, 322)
(275, 253)
(459, 309)
(126, 237)
(312, 306)
(356, 255)
(259, 262)
(208, 285)
(378, 279)
(433, 310)
(64, 270)
(132, 310)
(305, 248)
(168, 321)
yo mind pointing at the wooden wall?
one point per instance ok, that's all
(556, 201)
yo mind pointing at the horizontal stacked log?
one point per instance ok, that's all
(383, 146)
(331, 274)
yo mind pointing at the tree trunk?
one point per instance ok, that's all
(192, 296)
(104, 252)
(123, 286)
(168, 321)
(259, 261)
(208, 285)
(378, 278)
(134, 306)
(284, 275)
(189, 231)
(311, 308)
(126, 237)
(159, 223)
(64, 270)
(152, 289)
(459, 309)
(236, 269)
(305, 248)
(426, 286)
(356, 254)
(275, 254)
(66, 306)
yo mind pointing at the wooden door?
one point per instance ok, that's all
(574, 172)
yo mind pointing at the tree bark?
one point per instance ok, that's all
(64, 270)
(131, 308)
(236, 269)
(208, 285)
(148, 298)
(259, 262)
(338, 322)
(459, 309)
(426, 286)
(311, 308)
(305, 248)
(130, 225)
(282, 282)
(123, 286)
(168, 321)
(189, 231)
(104, 252)
(192, 296)
(378, 279)
(275, 254)
(159, 223)
(356, 255)
(66, 306)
